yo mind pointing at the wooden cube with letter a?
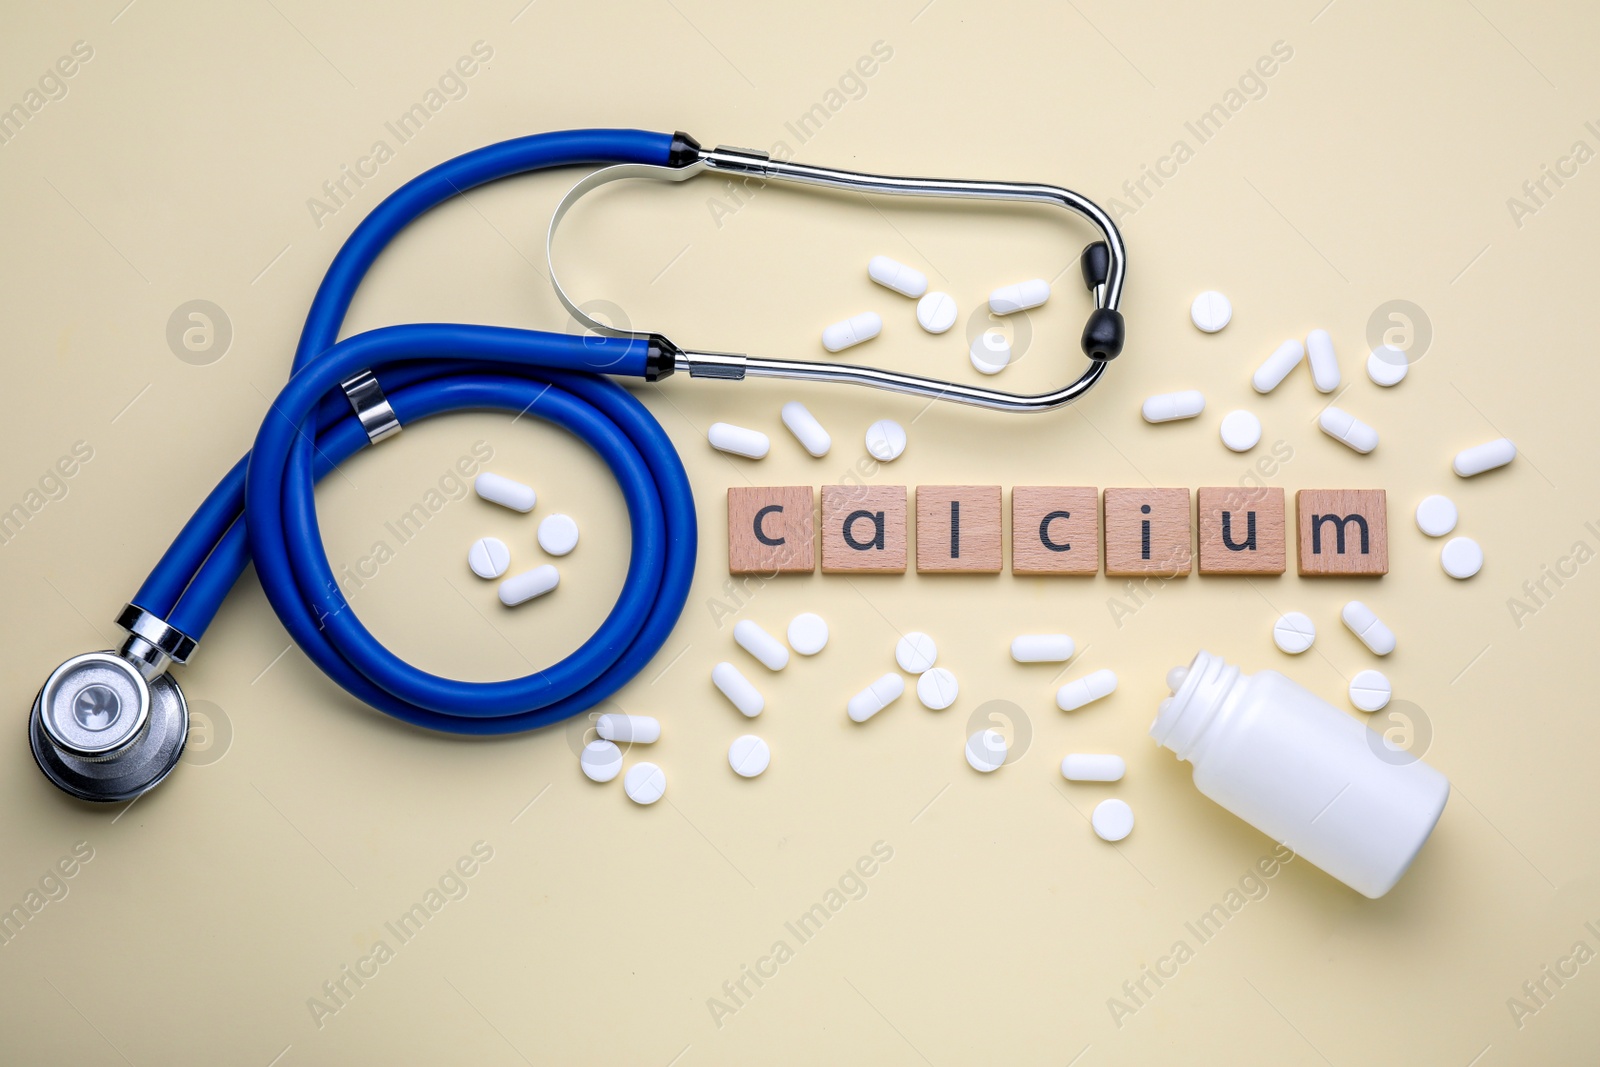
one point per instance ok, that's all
(770, 530)
(1055, 529)
(863, 529)
(1343, 532)
(1148, 532)
(1242, 530)
(958, 529)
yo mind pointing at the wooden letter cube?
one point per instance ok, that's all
(958, 528)
(1343, 532)
(1055, 529)
(1147, 532)
(863, 529)
(770, 530)
(1242, 530)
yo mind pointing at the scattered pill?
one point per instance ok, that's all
(892, 274)
(488, 557)
(1366, 625)
(852, 331)
(875, 697)
(633, 729)
(1211, 311)
(645, 783)
(1019, 297)
(737, 688)
(886, 440)
(1347, 429)
(1042, 648)
(1324, 363)
(523, 587)
(726, 437)
(760, 644)
(1294, 632)
(1484, 457)
(1387, 365)
(749, 756)
(937, 689)
(1112, 819)
(558, 534)
(601, 761)
(806, 429)
(1285, 358)
(991, 352)
(1461, 557)
(1075, 694)
(916, 652)
(1168, 407)
(1241, 431)
(808, 633)
(1370, 690)
(986, 750)
(1092, 767)
(1436, 515)
(497, 489)
(936, 312)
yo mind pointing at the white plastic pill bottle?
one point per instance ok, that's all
(1301, 771)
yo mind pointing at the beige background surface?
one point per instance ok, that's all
(1374, 165)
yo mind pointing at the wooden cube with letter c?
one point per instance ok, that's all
(770, 530)
(1055, 529)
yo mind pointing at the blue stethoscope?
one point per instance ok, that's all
(109, 725)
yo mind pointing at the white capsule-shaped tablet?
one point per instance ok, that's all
(808, 633)
(936, 312)
(1241, 430)
(1347, 429)
(631, 729)
(488, 557)
(645, 783)
(875, 697)
(1365, 624)
(1211, 311)
(1042, 648)
(726, 437)
(749, 756)
(497, 489)
(1461, 557)
(1092, 767)
(1112, 819)
(760, 644)
(1167, 407)
(937, 689)
(737, 688)
(990, 352)
(986, 751)
(1294, 632)
(916, 652)
(1387, 365)
(1080, 691)
(1285, 358)
(558, 534)
(1324, 363)
(852, 331)
(1019, 297)
(1484, 457)
(1370, 691)
(886, 440)
(892, 274)
(600, 761)
(1437, 515)
(806, 429)
(521, 588)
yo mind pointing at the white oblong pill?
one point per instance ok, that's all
(1019, 297)
(808, 633)
(1294, 632)
(749, 756)
(1324, 363)
(1347, 429)
(852, 331)
(1211, 311)
(634, 729)
(892, 274)
(1042, 648)
(726, 437)
(1484, 457)
(497, 489)
(1092, 767)
(990, 352)
(1437, 515)
(521, 588)
(1461, 557)
(1285, 358)
(1370, 690)
(558, 534)
(936, 312)
(1387, 365)
(760, 644)
(600, 761)
(1167, 407)
(1112, 819)
(806, 429)
(875, 697)
(1075, 694)
(916, 652)
(645, 783)
(1365, 624)
(986, 751)
(488, 557)
(937, 688)
(886, 440)
(737, 688)
(1241, 430)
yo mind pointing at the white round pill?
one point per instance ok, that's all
(937, 689)
(986, 750)
(645, 783)
(558, 534)
(1294, 632)
(600, 760)
(1241, 431)
(886, 439)
(916, 652)
(749, 756)
(991, 352)
(808, 633)
(488, 557)
(1387, 365)
(1437, 515)
(1112, 819)
(936, 312)
(1211, 311)
(1370, 690)
(1461, 557)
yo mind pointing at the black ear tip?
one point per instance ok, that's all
(1096, 262)
(1103, 336)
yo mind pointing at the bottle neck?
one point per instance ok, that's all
(1186, 715)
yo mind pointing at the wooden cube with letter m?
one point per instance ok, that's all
(1343, 533)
